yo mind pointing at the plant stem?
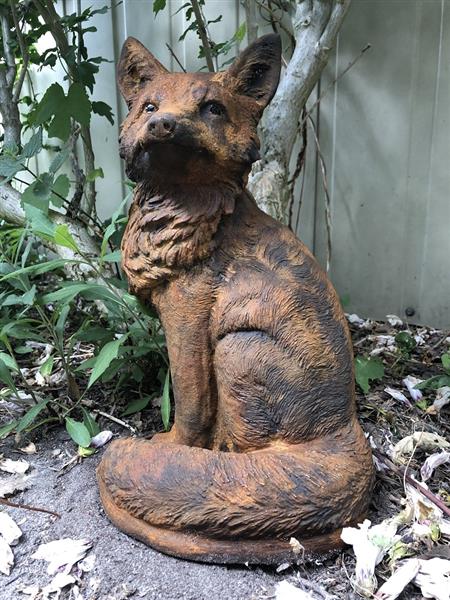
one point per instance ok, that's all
(201, 28)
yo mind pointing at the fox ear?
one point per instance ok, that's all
(257, 69)
(136, 67)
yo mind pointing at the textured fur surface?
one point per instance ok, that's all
(265, 445)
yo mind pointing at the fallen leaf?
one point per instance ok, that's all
(394, 321)
(420, 439)
(442, 398)
(370, 544)
(394, 586)
(287, 591)
(101, 439)
(397, 395)
(297, 548)
(432, 462)
(62, 554)
(6, 557)
(13, 484)
(14, 466)
(9, 530)
(29, 449)
(60, 581)
(434, 578)
(410, 382)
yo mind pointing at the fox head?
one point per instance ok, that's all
(194, 128)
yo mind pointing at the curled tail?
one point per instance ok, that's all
(229, 507)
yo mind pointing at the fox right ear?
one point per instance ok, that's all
(136, 67)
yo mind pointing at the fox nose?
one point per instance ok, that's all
(162, 126)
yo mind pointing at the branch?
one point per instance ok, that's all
(12, 212)
(201, 26)
(8, 54)
(23, 51)
(251, 20)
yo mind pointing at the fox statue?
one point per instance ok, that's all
(265, 444)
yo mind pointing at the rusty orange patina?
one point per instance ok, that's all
(266, 444)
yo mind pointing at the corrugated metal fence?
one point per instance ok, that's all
(384, 133)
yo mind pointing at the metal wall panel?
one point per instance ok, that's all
(384, 131)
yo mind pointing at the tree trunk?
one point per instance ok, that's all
(316, 24)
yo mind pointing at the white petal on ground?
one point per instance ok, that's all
(18, 467)
(410, 382)
(397, 395)
(434, 578)
(394, 586)
(15, 483)
(9, 530)
(442, 398)
(6, 557)
(31, 590)
(432, 462)
(101, 439)
(62, 554)
(287, 591)
(87, 564)
(394, 321)
(370, 544)
(420, 439)
(60, 581)
(355, 319)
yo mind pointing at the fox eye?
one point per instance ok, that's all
(150, 107)
(214, 108)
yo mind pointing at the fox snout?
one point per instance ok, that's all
(162, 126)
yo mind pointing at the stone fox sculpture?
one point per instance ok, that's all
(266, 444)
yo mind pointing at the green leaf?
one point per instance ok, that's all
(116, 217)
(90, 422)
(59, 160)
(104, 110)
(366, 370)
(240, 33)
(115, 256)
(445, 359)
(92, 176)
(63, 237)
(30, 415)
(60, 125)
(136, 405)
(9, 361)
(405, 342)
(5, 376)
(9, 166)
(29, 297)
(40, 269)
(78, 432)
(50, 104)
(60, 189)
(39, 221)
(165, 402)
(33, 146)
(7, 429)
(104, 358)
(422, 404)
(78, 104)
(46, 367)
(158, 5)
(38, 193)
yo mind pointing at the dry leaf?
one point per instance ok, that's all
(432, 462)
(18, 467)
(394, 321)
(29, 449)
(62, 554)
(420, 439)
(394, 586)
(287, 591)
(397, 395)
(410, 382)
(434, 578)
(442, 398)
(9, 530)
(60, 581)
(370, 544)
(297, 548)
(15, 483)
(6, 557)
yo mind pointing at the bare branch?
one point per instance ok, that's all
(7, 52)
(251, 20)
(175, 57)
(201, 25)
(23, 51)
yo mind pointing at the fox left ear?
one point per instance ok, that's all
(257, 69)
(136, 67)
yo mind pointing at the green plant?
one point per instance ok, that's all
(438, 381)
(61, 286)
(368, 369)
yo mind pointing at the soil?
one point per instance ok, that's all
(125, 568)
